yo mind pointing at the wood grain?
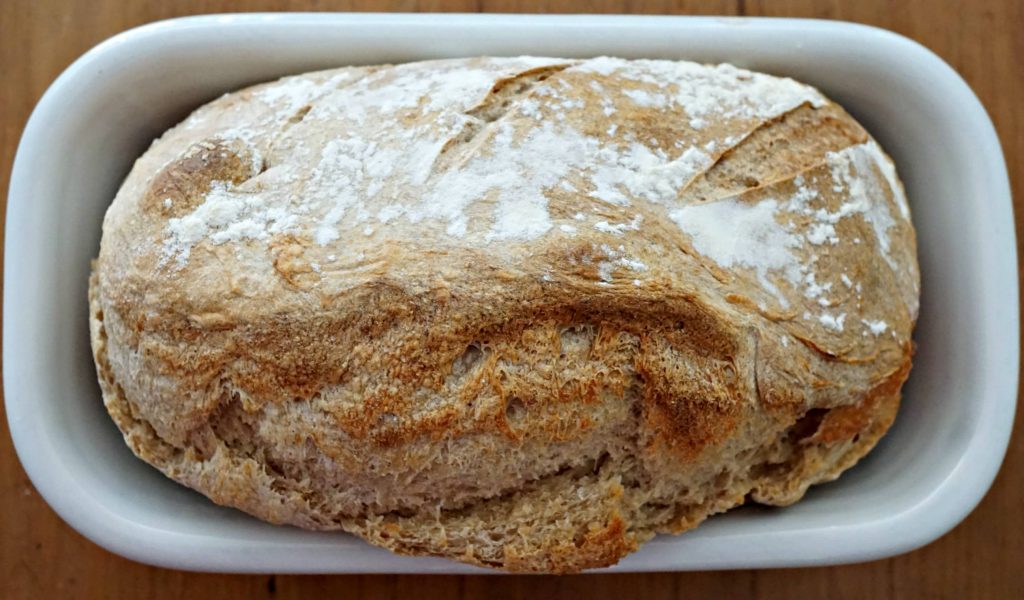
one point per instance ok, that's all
(41, 557)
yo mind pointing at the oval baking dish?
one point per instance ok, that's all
(926, 474)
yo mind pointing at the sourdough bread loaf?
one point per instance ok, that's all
(519, 312)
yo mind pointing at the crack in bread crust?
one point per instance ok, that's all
(612, 498)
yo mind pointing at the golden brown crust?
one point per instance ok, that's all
(453, 378)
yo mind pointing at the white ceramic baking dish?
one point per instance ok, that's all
(925, 476)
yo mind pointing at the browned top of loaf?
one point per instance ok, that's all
(357, 238)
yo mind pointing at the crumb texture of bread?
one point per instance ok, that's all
(524, 313)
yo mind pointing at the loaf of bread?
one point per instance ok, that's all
(519, 312)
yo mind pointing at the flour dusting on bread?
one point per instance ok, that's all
(518, 162)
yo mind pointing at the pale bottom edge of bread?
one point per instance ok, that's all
(578, 518)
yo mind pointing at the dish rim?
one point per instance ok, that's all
(958, 494)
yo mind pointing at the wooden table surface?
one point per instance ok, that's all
(41, 557)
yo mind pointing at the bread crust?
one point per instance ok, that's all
(519, 340)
